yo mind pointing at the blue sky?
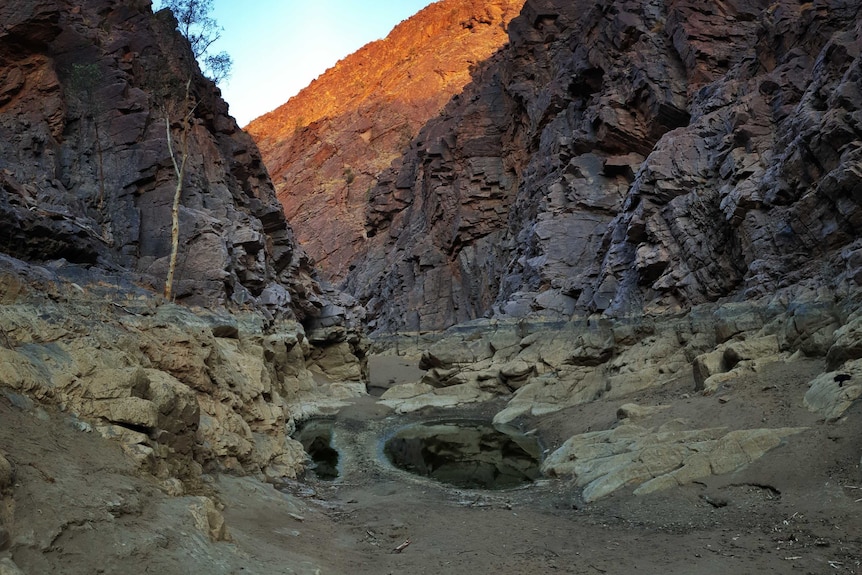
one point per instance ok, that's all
(279, 46)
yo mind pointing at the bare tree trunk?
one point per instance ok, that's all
(179, 170)
(175, 214)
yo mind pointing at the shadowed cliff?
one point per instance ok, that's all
(85, 172)
(88, 96)
(628, 157)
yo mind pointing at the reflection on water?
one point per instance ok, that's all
(316, 439)
(469, 455)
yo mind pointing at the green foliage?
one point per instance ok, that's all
(349, 176)
(202, 31)
(217, 66)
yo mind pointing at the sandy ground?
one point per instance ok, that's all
(78, 505)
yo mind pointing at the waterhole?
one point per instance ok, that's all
(316, 438)
(470, 455)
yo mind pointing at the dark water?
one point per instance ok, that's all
(469, 455)
(316, 439)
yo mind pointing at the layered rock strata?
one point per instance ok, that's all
(97, 101)
(325, 147)
(652, 460)
(183, 391)
(86, 174)
(624, 156)
(789, 364)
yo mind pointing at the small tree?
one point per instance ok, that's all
(349, 178)
(179, 157)
(195, 23)
(202, 31)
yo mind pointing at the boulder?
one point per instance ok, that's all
(133, 411)
(20, 374)
(749, 349)
(812, 327)
(847, 344)
(111, 383)
(633, 411)
(515, 374)
(718, 381)
(454, 350)
(208, 519)
(337, 362)
(549, 393)
(447, 397)
(440, 377)
(707, 365)
(831, 394)
(727, 356)
(287, 464)
(406, 391)
(8, 567)
(650, 460)
(735, 319)
(178, 410)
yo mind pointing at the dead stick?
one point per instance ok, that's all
(401, 547)
(41, 471)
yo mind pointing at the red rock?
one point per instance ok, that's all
(361, 113)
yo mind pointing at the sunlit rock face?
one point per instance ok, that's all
(326, 146)
(85, 171)
(621, 157)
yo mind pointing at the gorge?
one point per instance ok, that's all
(628, 230)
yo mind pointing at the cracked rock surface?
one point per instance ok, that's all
(621, 156)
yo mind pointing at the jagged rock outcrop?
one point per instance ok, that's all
(544, 366)
(88, 95)
(604, 461)
(181, 390)
(85, 170)
(727, 354)
(622, 156)
(325, 147)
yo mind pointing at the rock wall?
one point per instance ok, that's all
(729, 354)
(621, 157)
(89, 94)
(326, 146)
(85, 170)
(183, 391)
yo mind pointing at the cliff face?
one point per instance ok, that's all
(325, 147)
(622, 156)
(88, 95)
(85, 171)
